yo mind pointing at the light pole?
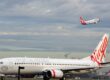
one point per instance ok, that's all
(19, 73)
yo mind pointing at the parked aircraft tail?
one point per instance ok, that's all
(98, 56)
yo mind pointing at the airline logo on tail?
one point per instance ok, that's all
(99, 53)
(82, 21)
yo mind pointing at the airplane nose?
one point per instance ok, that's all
(3, 69)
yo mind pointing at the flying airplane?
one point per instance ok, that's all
(55, 68)
(86, 22)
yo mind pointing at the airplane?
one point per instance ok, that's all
(53, 67)
(86, 22)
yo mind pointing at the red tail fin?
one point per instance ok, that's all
(82, 21)
(99, 53)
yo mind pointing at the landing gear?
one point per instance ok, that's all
(63, 78)
(45, 78)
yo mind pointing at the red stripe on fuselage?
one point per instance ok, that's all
(53, 71)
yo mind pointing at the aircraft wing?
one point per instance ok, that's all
(79, 69)
(106, 64)
(87, 69)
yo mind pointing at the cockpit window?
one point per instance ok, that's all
(1, 62)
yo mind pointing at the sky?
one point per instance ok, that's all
(52, 25)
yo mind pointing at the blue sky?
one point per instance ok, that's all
(52, 25)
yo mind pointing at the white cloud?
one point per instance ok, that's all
(32, 33)
(53, 18)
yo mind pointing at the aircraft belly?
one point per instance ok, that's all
(26, 70)
(31, 69)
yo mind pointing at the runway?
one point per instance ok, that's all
(75, 78)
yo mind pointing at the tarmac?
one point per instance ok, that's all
(53, 79)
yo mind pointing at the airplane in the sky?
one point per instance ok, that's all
(55, 68)
(86, 22)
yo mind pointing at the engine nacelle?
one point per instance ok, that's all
(54, 73)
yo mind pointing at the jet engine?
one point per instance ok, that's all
(53, 73)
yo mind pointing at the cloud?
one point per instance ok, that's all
(32, 33)
(53, 21)
(63, 10)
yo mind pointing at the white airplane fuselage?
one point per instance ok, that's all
(37, 65)
(93, 21)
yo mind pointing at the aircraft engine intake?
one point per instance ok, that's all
(53, 73)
